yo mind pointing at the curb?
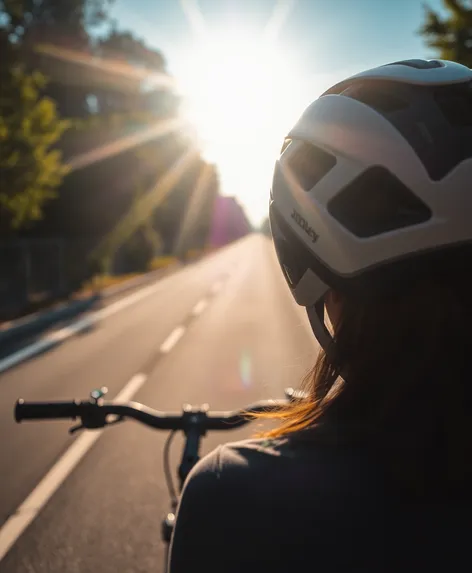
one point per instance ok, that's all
(38, 322)
(137, 281)
(30, 326)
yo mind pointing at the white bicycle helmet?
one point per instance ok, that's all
(373, 187)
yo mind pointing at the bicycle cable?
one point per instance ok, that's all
(167, 470)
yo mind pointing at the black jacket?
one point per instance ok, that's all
(283, 505)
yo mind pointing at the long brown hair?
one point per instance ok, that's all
(405, 390)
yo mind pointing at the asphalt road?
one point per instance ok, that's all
(247, 341)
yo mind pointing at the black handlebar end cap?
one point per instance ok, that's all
(17, 415)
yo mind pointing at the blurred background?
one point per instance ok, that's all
(137, 141)
(133, 133)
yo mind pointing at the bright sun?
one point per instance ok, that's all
(242, 94)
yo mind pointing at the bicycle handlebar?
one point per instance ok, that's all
(95, 414)
(44, 410)
(194, 421)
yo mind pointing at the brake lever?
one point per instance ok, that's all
(92, 422)
(94, 426)
(75, 429)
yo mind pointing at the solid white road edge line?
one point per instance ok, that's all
(42, 493)
(25, 353)
(55, 338)
(49, 341)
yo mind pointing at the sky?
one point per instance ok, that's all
(248, 68)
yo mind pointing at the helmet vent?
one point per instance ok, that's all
(309, 164)
(377, 202)
(455, 102)
(382, 100)
(418, 64)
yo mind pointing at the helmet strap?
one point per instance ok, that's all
(320, 330)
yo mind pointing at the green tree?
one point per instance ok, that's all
(31, 167)
(123, 44)
(153, 229)
(52, 20)
(450, 36)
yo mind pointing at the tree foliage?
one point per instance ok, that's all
(31, 169)
(64, 97)
(176, 217)
(450, 36)
(27, 20)
(123, 44)
(31, 164)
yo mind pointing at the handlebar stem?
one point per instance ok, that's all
(193, 422)
(190, 456)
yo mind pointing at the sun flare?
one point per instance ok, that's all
(240, 93)
(234, 84)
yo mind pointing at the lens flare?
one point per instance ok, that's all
(245, 369)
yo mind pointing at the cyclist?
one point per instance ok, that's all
(371, 217)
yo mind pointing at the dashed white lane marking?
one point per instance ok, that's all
(49, 341)
(172, 339)
(55, 338)
(29, 509)
(200, 307)
(42, 493)
(131, 388)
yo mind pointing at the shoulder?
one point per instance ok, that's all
(241, 456)
(230, 493)
(247, 463)
(268, 465)
(230, 465)
(228, 496)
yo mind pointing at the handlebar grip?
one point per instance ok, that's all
(45, 410)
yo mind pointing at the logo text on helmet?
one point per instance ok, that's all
(303, 223)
